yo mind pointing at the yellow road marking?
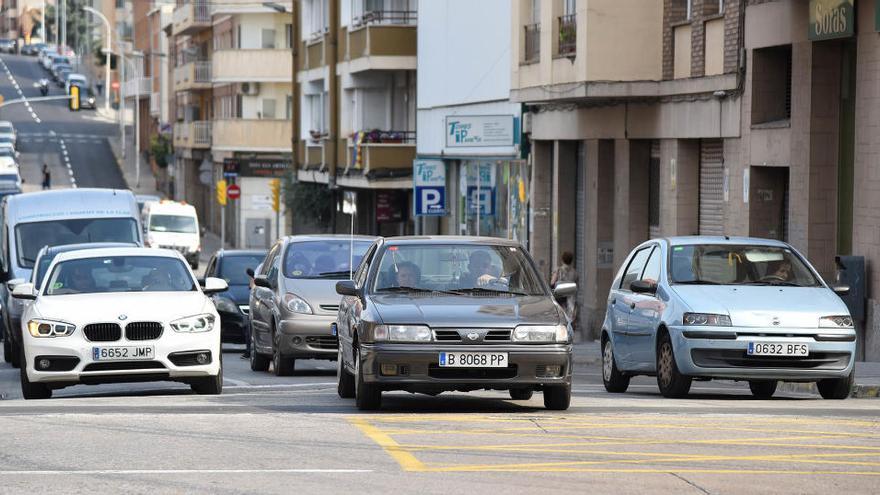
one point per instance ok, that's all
(406, 460)
(650, 471)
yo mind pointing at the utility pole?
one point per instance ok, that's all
(107, 46)
(62, 40)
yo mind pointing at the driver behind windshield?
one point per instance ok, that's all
(408, 274)
(479, 271)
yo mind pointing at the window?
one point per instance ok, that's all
(238, 36)
(288, 35)
(268, 39)
(328, 259)
(268, 105)
(316, 112)
(739, 265)
(771, 84)
(119, 274)
(360, 276)
(652, 267)
(288, 107)
(233, 269)
(720, 6)
(31, 237)
(634, 270)
(536, 12)
(570, 7)
(317, 17)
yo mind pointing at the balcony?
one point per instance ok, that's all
(191, 17)
(567, 36)
(194, 75)
(264, 135)
(374, 45)
(315, 154)
(380, 150)
(194, 135)
(532, 52)
(313, 53)
(258, 65)
(140, 87)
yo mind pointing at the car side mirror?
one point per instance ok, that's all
(262, 281)
(841, 290)
(643, 287)
(24, 291)
(565, 289)
(347, 288)
(213, 285)
(12, 284)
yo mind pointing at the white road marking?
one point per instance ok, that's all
(177, 471)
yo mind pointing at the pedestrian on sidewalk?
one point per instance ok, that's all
(47, 177)
(566, 273)
(100, 87)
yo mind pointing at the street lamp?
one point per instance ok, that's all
(107, 45)
(137, 113)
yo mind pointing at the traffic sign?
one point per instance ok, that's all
(114, 85)
(233, 191)
(429, 187)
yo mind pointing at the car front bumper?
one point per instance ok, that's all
(526, 367)
(703, 355)
(173, 359)
(308, 336)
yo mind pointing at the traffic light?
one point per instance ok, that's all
(275, 186)
(74, 97)
(221, 192)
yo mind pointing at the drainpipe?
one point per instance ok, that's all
(330, 47)
(294, 89)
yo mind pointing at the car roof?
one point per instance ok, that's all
(451, 239)
(723, 240)
(328, 237)
(119, 251)
(241, 252)
(59, 203)
(65, 248)
(169, 206)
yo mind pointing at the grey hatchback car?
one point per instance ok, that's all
(294, 301)
(434, 314)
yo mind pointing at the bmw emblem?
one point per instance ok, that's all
(123, 317)
(473, 335)
(775, 321)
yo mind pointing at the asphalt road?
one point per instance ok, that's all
(268, 434)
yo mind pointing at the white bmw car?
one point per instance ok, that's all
(119, 315)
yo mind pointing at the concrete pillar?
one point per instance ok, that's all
(631, 163)
(565, 173)
(679, 186)
(540, 234)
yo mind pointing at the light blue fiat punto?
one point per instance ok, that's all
(686, 308)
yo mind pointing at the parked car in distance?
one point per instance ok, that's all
(8, 130)
(10, 179)
(77, 79)
(32, 49)
(435, 314)
(115, 315)
(687, 308)
(173, 225)
(232, 305)
(7, 45)
(295, 302)
(8, 158)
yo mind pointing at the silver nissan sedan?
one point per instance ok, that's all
(687, 308)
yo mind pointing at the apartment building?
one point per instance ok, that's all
(357, 118)
(469, 130)
(233, 110)
(699, 117)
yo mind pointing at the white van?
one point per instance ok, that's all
(173, 225)
(50, 218)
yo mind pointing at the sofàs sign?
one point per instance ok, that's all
(831, 19)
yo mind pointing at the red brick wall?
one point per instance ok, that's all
(674, 13)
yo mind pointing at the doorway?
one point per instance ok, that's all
(768, 195)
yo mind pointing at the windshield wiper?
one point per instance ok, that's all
(484, 290)
(781, 283)
(696, 282)
(413, 289)
(332, 274)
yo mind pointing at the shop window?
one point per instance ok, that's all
(494, 199)
(771, 85)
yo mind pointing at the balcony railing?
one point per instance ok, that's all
(386, 17)
(252, 65)
(568, 34)
(194, 75)
(269, 135)
(138, 87)
(191, 17)
(370, 151)
(192, 134)
(532, 43)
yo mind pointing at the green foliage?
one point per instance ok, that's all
(308, 200)
(160, 148)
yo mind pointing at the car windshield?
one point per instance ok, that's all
(6, 128)
(31, 237)
(739, 265)
(173, 223)
(8, 177)
(459, 268)
(119, 274)
(233, 269)
(323, 259)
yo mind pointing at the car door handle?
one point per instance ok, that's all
(632, 305)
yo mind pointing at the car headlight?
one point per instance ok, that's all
(91, 101)
(49, 328)
(225, 305)
(706, 319)
(402, 333)
(193, 324)
(839, 321)
(540, 333)
(297, 304)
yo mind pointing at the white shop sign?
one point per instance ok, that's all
(469, 131)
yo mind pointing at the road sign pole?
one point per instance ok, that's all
(222, 227)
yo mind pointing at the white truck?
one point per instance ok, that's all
(173, 225)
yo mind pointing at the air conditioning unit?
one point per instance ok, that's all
(250, 88)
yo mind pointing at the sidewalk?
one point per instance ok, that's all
(867, 381)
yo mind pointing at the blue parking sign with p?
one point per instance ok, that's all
(429, 187)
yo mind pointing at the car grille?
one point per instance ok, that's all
(323, 342)
(497, 335)
(143, 330)
(731, 358)
(435, 371)
(330, 307)
(487, 335)
(447, 336)
(102, 332)
(124, 366)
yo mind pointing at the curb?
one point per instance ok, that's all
(116, 156)
(858, 391)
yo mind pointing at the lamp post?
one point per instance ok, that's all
(137, 111)
(107, 45)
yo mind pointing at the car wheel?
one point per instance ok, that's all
(367, 397)
(763, 389)
(557, 398)
(344, 379)
(614, 381)
(836, 388)
(283, 366)
(671, 382)
(259, 362)
(31, 390)
(212, 385)
(521, 393)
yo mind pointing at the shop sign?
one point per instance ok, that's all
(830, 19)
(429, 187)
(388, 206)
(466, 131)
(261, 202)
(255, 167)
(481, 201)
